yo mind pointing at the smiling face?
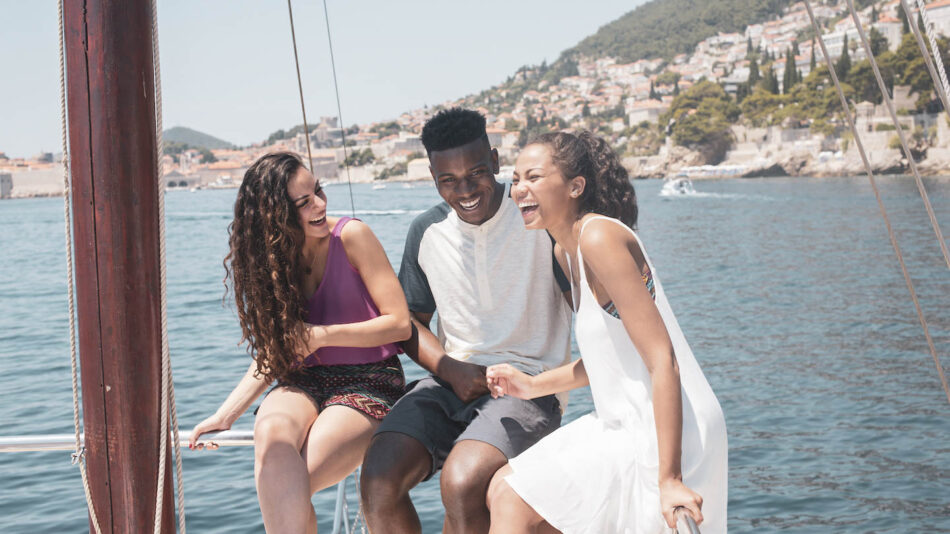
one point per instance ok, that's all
(311, 203)
(542, 193)
(465, 178)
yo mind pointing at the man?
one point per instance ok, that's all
(494, 285)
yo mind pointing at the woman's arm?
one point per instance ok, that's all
(503, 379)
(611, 252)
(366, 254)
(247, 390)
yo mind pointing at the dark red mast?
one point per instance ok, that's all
(111, 110)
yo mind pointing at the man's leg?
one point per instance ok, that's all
(394, 464)
(465, 477)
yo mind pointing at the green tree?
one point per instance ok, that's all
(700, 119)
(754, 76)
(843, 65)
(207, 156)
(769, 80)
(653, 93)
(905, 26)
(877, 41)
(668, 77)
(811, 63)
(759, 107)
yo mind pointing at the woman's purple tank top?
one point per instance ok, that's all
(342, 298)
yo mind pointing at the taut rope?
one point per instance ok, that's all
(877, 194)
(303, 109)
(339, 109)
(168, 385)
(900, 135)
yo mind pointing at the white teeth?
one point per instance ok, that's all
(469, 205)
(526, 204)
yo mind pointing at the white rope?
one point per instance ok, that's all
(934, 75)
(900, 134)
(877, 194)
(168, 387)
(943, 88)
(79, 456)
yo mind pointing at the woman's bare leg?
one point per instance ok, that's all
(336, 444)
(509, 513)
(280, 472)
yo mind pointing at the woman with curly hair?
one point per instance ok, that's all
(321, 310)
(656, 440)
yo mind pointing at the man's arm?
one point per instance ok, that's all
(467, 380)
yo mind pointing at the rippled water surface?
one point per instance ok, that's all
(788, 290)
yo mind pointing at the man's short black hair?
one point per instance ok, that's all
(451, 128)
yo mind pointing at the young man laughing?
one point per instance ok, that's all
(498, 292)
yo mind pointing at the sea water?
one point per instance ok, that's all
(787, 288)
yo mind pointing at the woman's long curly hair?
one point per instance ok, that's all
(264, 264)
(608, 190)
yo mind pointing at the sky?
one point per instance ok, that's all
(228, 70)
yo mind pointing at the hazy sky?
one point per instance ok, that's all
(227, 65)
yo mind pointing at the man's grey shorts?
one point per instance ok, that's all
(432, 414)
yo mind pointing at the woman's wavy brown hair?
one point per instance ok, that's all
(608, 190)
(264, 264)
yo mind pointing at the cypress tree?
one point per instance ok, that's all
(811, 64)
(653, 95)
(769, 80)
(920, 24)
(753, 73)
(844, 61)
(788, 77)
(905, 26)
(748, 48)
(795, 50)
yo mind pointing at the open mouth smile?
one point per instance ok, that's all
(527, 207)
(318, 221)
(470, 205)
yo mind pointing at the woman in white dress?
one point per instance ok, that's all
(656, 440)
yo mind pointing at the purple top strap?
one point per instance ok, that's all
(342, 298)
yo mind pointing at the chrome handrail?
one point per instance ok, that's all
(67, 442)
(684, 522)
(227, 438)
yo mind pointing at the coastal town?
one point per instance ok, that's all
(629, 102)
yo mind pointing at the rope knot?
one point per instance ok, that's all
(78, 456)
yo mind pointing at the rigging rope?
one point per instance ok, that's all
(943, 86)
(79, 456)
(306, 129)
(168, 385)
(867, 166)
(339, 109)
(900, 135)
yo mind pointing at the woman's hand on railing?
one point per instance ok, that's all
(673, 495)
(215, 423)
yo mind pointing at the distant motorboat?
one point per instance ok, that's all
(680, 186)
(379, 186)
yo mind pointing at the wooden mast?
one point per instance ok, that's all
(111, 115)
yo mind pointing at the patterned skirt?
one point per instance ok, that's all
(371, 388)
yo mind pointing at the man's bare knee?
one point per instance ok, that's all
(393, 465)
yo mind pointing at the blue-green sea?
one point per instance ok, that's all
(787, 288)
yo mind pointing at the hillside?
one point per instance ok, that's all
(193, 138)
(664, 28)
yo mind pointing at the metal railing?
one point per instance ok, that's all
(228, 438)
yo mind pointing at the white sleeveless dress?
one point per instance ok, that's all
(598, 474)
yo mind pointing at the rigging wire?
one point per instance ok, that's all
(303, 110)
(867, 167)
(934, 75)
(339, 109)
(900, 135)
(943, 88)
